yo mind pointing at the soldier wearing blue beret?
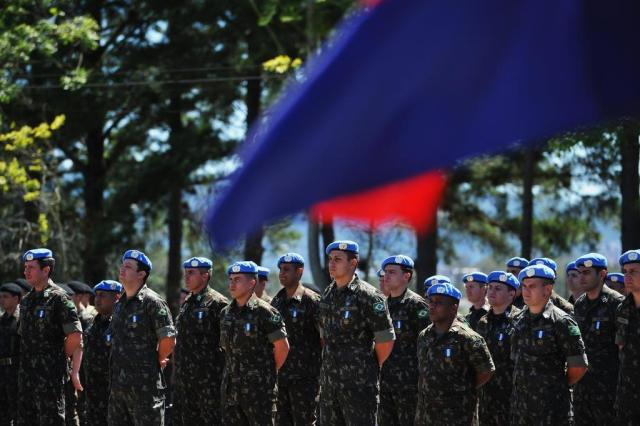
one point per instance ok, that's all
(143, 337)
(198, 358)
(263, 280)
(556, 299)
(627, 403)
(97, 350)
(573, 282)
(453, 361)
(435, 279)
(546, 343)
(494, 407)
(50, 332)
(254, 338)
(409, 315)
(354, 319)
(514, 266)
(10, 295)
(298, 379)
(475, 287)
(615, 281)
(594, 395)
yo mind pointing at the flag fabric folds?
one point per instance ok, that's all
(412, 86)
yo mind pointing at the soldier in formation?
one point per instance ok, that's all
(10, 295)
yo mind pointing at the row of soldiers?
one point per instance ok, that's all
(353, 355)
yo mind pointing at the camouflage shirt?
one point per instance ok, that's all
(199, 360)
(409, 316)
(137, 325)
(495, 395)
(542, 347)
(95, 364)
(561, 303)
(352, 318)
(628, 338)
(474, 315)
(300, 313)
(46, 318)
(247, 334)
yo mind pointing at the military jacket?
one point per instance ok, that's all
(247, 334)
(542, 347)
(300, 313)
(95, 360)
(596, 319)
(198, 356)
(475, 314)
(561, 303)
(409, 316)
(137, 325)
(9, 339)
(46, 318)
(352, 319)
(628, 339)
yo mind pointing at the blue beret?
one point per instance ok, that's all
(436, 279)
(571, 266)
(243, 267)
(537, 271)
(108, 285)
(595, 260)
(444, 290)
(344, 245)
(11, 288)
(478, 277)
(198, 262)
(398, 259)
(631, 256)
(517, 262)
(139, 256)
(263, 272)
(503, 278)
(615, 277)
(39, 253)
(549, 263)
(291, 258)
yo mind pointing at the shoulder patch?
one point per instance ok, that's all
(275, 318)
(378, 306)
(69, 304)
(574, 330)
(162, 311)
(422, 313)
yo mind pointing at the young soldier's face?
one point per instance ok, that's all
(590, 278)
(339, 264)
(195, 278)
(475, 291)
(394, 278)
(33, 273)
(573, 280)
(129, 273)
(535, 291)
(500, 294)
(289, 274)
(104, 301)
(631, 277)
(441, 307)
(8, 301)
(241, 285)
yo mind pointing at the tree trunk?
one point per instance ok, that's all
(427, 259)
(629, 183)
(526, 224)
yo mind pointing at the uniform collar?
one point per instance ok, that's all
(139, 294)
(297, 295)
(548, 308)
(403, 297)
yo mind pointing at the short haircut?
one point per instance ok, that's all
(47, 261)
(145, 268)
(351, 255)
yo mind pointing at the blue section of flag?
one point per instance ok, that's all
(416, 85)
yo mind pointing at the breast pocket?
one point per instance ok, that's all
(348, 316)
(542, 341)
(43, 316)
(247, 332)
(400, 324)
(601, 325)
(134, 323)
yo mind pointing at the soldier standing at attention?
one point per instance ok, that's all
(628, 340)
(573, 282)
(254, 339)
(95, 363)
(199, 360)
(475, 287)
(555, 298)
(453, 361)
(514, 266)
(615, 281)
(409, 315)
(143, 337)
(435, 279)
(10, 295)
(358, 338)
(494, 328)
(595, 311)
(298, 378)
(548, 354)
(263, 279)
(49, 329)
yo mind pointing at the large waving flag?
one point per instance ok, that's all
(413, 86)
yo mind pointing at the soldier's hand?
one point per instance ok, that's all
(75, 379)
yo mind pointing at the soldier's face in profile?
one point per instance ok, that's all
(631, 277)
(573, 280)
(195, 279)
(535, 291)
(339, 264)
(394, 278)
(442, 308)
(241, 285)
(104, 301)
(129, 274)
(500, 294)
(475, 291)
(289, 274)
(33, 273)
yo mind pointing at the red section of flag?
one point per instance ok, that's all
(370, 3)
(412, 201)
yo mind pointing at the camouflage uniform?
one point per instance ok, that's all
(298, 377)
(248, 386)
(351, 319)
(137, 382)
(594, 394)
(9, 357)
(199, 360)
(561, 303)
(46, 318)
(475, 314)
(627, 403)
(95, 368)
(495, 395)
(542, 347)
(448, 366)
(399, 376)
(75, 403)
